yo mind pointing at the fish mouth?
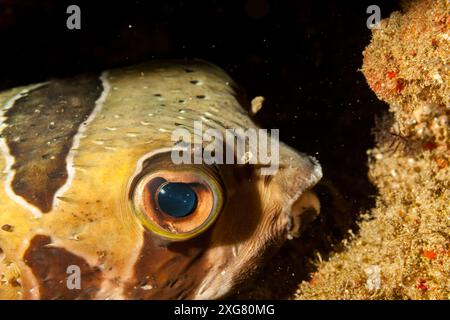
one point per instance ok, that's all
(303, 212)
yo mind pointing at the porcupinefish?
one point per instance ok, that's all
(92, 207)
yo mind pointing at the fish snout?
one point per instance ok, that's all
(299, 173)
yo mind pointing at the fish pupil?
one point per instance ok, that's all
(177, 199)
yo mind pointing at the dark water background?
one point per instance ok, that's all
(302, 56)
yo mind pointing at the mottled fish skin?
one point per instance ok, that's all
(69, 149)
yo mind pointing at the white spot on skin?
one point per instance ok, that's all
(98, 142)
(79, 168)
(80, 134)
(131, 135)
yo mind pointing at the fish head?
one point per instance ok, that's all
(241, 218)
(129, 220)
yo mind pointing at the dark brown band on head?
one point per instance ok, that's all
(169, 270)
(50, 267)
(39, 133)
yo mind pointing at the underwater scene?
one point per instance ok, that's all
(225, 150)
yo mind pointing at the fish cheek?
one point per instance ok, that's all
(250, 228)
(169, 270)
(242, 212)
(252, 211)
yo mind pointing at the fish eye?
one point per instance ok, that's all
(176, 199)
(178, 202)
